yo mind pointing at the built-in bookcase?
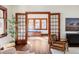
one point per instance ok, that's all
(55, 24)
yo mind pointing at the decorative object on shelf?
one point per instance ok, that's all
(72, 24)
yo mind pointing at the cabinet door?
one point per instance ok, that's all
(21, 31)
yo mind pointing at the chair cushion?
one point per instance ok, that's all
(58, 45)
(60, 42)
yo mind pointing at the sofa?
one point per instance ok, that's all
(7, 45)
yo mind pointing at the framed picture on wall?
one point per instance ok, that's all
(72, 24)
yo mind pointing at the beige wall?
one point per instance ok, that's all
(66, 11)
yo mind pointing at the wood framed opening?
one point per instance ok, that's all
(40, 20)
(24, 41)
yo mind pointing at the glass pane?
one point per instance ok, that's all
(31, 25)
(37, 24)
(44, 24)
(21, 27)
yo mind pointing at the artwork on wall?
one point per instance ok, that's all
(72, 24)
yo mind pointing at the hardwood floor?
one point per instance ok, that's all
(21, 47)
(37, 45)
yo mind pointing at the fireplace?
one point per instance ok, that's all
(73, 39)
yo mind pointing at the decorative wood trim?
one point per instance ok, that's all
(5, 20)
(38, 12)
(59, 25)
(26, 28)
(49, 27)
(16, 27)
(3, 8)
(55, 14)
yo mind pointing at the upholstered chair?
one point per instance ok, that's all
(57, 44)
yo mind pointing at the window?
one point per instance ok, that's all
(40, 24)
(44, 24)
(3, 20)
(37, 24)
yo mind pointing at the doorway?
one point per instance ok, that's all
(33, 27)
(38, 31)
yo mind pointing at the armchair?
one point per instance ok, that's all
(57, 44)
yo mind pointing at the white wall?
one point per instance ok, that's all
(66, 11)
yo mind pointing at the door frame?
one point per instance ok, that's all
(27, 23)
(48, 21)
